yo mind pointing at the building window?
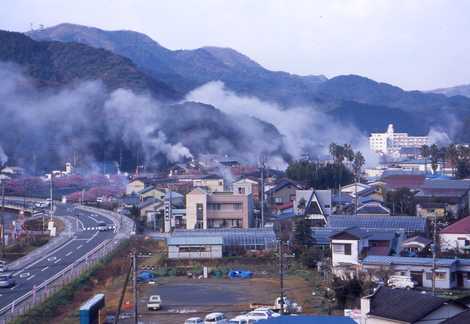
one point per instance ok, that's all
(468, 275)
(241, 190)
(187, 249)
(439, 275)
(237, 206)
(278, 200)
(342, 249)
(214, 206)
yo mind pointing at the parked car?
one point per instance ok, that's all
(401, 282)
(154, 303)
(242, 319)
(3, 266)
(194, 320)
(6, 280)
(215, 318)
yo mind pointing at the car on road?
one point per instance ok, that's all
(215, 318)
(154, 303)
(102, 226)
(268, 311)
(6, 280)
(260, 315)
(194, 320)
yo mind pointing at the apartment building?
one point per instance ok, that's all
(390, 143)
(205, 209)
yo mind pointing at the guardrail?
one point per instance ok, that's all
(49, 287)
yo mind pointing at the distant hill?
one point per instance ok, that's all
(185, 70)
(351, 98)
(461, 90)
(55, 64)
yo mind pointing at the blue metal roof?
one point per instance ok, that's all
(407, 223)
(195, 240)
(388, 260)
(308, 320)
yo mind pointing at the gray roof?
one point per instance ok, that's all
(446, 184)
(321, 235)
(403, 305)
(235, 236)
(195, 240)
(406, 223)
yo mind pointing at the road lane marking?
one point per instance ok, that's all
(68, 253)
(58, 260)
(29, 278)
(45, 268)
(91, 238)
(96, 221)
(78, 247)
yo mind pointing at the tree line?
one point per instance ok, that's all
(458, 156)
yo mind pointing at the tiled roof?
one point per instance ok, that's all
(406, 223)
(459, 227)
(412, 181)
(446, 184)
(403, 305)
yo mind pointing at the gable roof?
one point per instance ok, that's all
(396, 181)
(416, 240)
(459, 227)
(403, 305)
(283, 183)
(373, 208)
(353, 233)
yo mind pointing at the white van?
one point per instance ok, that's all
(401, 282)
(215, 318)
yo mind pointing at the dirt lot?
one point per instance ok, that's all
(183, 298)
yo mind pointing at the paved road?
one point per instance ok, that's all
(82, 242)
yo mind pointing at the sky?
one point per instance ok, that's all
(409, 43)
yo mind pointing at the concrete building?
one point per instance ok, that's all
(212, 183)
(205, 209)
(246, 186)
(195, 247)
(390, 143)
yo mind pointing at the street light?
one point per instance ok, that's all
(2, 182)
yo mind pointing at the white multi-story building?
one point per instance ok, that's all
(390, 143)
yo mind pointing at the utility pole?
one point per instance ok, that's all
(51, 204)
(134, 284)
(281, 275)
(121, 298)
(262, 190)
(3, 217)
(434, 248)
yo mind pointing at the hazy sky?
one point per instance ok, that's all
(413, 44)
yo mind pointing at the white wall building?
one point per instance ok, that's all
(389, 143)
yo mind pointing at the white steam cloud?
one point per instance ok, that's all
(3, 157)
(305, 129)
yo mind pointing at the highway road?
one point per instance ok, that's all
(45, 267)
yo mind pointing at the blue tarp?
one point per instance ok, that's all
(244, 274)
(146, 276)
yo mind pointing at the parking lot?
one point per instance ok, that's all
(183, 298)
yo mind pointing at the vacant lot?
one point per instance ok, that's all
(183, 298)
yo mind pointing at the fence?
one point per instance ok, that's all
(52, 285)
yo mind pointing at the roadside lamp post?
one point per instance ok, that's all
(2, 182)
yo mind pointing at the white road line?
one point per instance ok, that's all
(78, 247)
(57, 261)
(91, 238)
(96, 221)
(45, 257)
(81, 224)
(13, 287)
(29, 278)
(68, 253)
(45, 268)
